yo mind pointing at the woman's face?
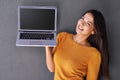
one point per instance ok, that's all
(85, 25)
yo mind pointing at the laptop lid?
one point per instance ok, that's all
(37, 18)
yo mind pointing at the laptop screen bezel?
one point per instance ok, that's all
(37, 7)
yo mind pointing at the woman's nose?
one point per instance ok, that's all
(82, 23)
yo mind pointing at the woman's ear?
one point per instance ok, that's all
(93, 32)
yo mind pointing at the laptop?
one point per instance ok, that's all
(37, 26)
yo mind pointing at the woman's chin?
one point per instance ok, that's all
(78, 32)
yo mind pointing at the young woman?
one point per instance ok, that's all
(81, 55)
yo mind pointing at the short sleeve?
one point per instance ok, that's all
(59, 40)
(93, 67)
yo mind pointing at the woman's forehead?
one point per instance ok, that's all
(89, 17)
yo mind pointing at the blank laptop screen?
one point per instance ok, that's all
(37, 19)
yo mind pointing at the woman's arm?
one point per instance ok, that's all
(94, 67)
(49, 59)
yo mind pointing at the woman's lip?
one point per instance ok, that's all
(80, 28)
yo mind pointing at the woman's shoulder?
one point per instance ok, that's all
(63, 34)
(95, 54)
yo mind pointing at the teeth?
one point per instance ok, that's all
(80, 28)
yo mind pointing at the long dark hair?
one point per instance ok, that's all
(99, 40)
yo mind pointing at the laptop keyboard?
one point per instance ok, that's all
(37, 36)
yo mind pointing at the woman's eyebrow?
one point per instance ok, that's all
(89, 21)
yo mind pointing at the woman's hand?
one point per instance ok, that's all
(49, 59)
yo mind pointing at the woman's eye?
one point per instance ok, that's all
(88, 24)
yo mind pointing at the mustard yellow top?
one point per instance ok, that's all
(73, 61)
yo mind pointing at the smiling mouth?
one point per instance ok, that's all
(80, 28)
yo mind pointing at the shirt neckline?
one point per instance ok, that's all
(79, 44)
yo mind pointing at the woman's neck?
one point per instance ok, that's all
(82, 40)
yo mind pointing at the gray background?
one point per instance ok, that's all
(28, 63)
